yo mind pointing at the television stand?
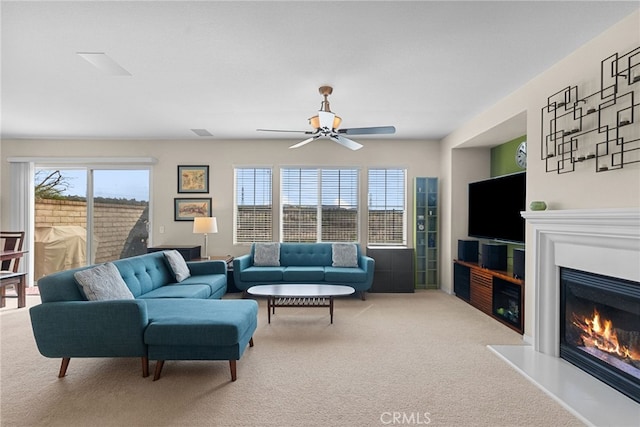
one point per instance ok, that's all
(496, 293)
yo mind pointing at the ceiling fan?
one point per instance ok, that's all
(327, 124)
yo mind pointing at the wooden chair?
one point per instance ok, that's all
(11, 242)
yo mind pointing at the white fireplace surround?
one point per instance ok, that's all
(602, 241)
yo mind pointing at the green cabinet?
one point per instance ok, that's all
(425, 237)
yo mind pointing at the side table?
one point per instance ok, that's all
(227, 258)
(189, 252)
(231, 283)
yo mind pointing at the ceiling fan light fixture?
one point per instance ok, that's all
(315, 122)
(336, 122)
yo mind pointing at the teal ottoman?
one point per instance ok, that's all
(193, 329)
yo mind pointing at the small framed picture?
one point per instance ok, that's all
(193, 179)
(187, 209)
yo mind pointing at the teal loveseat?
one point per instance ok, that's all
(160, 320)
(300, 263)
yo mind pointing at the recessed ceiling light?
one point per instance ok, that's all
(201, 132)
(102, 62)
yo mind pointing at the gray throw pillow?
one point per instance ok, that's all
(344, 255)
(266, 254)
(102, 283)
(178, 264)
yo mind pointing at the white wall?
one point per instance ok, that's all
(583, 188)
(421, 158)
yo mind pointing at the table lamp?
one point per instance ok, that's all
(205, 225)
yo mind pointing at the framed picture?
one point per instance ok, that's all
(187, 209)
(193, 179)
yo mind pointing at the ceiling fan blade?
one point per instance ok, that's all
(326, 119)
(306, 141)
(376, 130)
(308, 132)
(346, 142)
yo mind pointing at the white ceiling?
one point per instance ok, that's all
(233, 66)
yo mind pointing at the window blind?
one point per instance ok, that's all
(319, 205)
(253, 205)
(387, 207)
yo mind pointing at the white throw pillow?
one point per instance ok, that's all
(178, 264)
(102, 283)
(266, 254)
(344, 255)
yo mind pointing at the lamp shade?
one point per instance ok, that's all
(205, 225)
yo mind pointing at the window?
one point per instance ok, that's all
(253, 203)
(387, 213)
(319, 205)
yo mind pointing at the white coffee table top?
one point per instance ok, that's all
(301, 290)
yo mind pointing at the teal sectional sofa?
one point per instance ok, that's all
(299, 263)
(153, 316)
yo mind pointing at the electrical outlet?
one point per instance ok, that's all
(161, 229)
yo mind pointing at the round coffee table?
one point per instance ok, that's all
(299, 295)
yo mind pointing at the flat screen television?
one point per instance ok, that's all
(494, 208)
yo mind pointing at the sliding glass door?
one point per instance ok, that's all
(88, 215)
(120, 214)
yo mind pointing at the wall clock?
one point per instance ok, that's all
(521, 155)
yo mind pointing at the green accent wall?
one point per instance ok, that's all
(503, 157)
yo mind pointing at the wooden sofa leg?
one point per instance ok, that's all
(159, 365)
(232, 365)
(251, 342)
(63, 367)
(145, 367)
(363, 295)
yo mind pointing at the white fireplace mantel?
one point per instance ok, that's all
(601, 241)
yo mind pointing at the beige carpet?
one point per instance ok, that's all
(394, 359)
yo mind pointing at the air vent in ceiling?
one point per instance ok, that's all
(201, 132)
(104, 63)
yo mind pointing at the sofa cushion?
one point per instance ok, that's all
(217, 283)
(144, 273)
(103, 282)
(196, 323)
(303, 274)
(178, 264)
(344, 255)
(179, 290)
(266, 254)
(305, 254)
(342, 275)
(262, 274)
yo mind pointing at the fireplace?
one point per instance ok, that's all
(600, 328)
(602, 242)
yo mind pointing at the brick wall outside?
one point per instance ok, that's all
(113, 223)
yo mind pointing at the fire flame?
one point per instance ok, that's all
(599, 333)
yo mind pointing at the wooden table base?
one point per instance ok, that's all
(273, 302)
